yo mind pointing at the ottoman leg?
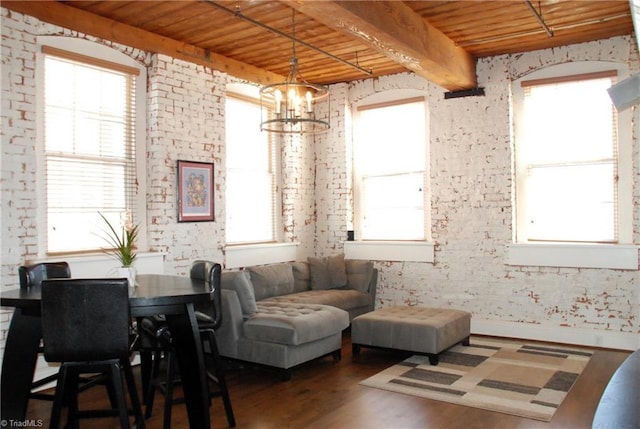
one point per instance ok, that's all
(465, 342)
(433, 359)
(355, 349)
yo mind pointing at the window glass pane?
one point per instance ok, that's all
(569, 122)
(250, 216)
(574, 203)
(393, 207)
(384, 147)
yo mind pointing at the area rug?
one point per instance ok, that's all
(526, 380)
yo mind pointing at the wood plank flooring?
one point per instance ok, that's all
(325, 394)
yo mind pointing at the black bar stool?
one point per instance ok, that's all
(85, 326)
(31, 276)
(209, 319)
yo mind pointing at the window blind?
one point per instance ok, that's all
(89, 143)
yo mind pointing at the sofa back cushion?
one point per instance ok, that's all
(240, 282)
(359, 274)
(271, 280)
(301, 276)
(327, 273)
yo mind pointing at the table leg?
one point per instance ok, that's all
(18, 364)
(186, 339)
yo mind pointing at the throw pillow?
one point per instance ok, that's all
(327, 273)
(240, 282)
(301, 276)
(359, 274)
(271, 280)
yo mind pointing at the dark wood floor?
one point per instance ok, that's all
(326, 394)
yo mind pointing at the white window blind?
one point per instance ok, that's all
(390, 161)
(89, 142)
(251, 181)
(567, 161)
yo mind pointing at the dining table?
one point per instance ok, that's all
(174, 297)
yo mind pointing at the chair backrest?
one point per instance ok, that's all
(85, 319)
(32, 275)
(210, 272)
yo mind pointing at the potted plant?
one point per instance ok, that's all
(122, 245)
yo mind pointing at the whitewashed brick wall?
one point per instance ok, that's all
(186, 111)
(470, 174)
(471, 196)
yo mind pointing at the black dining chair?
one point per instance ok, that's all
(32, 276)
(85, 327)
(209, 319)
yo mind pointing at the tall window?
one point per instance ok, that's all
(89, 144)
(567, 160)
(251, 188)
(390, 160)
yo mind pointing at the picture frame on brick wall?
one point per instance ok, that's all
(195, 191)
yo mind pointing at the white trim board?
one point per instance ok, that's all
(556, 334)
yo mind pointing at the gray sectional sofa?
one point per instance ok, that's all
(282, 315)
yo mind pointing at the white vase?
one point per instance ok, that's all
(129, 273)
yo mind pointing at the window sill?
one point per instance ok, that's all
(102, 264)
(619, 257)
(237, 256)
(404, 251)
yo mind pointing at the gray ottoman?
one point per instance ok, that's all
(420, 330)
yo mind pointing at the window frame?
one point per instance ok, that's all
(248, 93)
(383, 99)
(621, 255)
(100, 53)
(624, 156)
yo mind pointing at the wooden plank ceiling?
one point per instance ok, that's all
(439, 40)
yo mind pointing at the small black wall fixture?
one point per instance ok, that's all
(473, 92)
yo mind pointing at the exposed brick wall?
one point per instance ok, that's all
(19, 232)
(472, 211)
(186, 111)
(470, 175)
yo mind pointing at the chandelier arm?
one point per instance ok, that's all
(239, 14)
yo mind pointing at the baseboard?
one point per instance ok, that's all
(557, 334)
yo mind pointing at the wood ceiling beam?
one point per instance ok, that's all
(396, 31)
(76, 19)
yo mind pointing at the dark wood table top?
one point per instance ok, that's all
(152, 291)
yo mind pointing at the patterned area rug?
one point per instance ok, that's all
(526, 380)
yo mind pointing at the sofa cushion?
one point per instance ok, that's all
(346, 299)
(328, 272)
(301, 276)
(271, 280)
(294, 324)
(240, 282)
(359, 274)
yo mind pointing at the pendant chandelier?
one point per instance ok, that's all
(289, 107)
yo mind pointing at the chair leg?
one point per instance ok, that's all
(218, 372)
(116, 382)
(71, 394)
(133, 394)
(58, 400)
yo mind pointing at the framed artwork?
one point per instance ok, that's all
(195, 191)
